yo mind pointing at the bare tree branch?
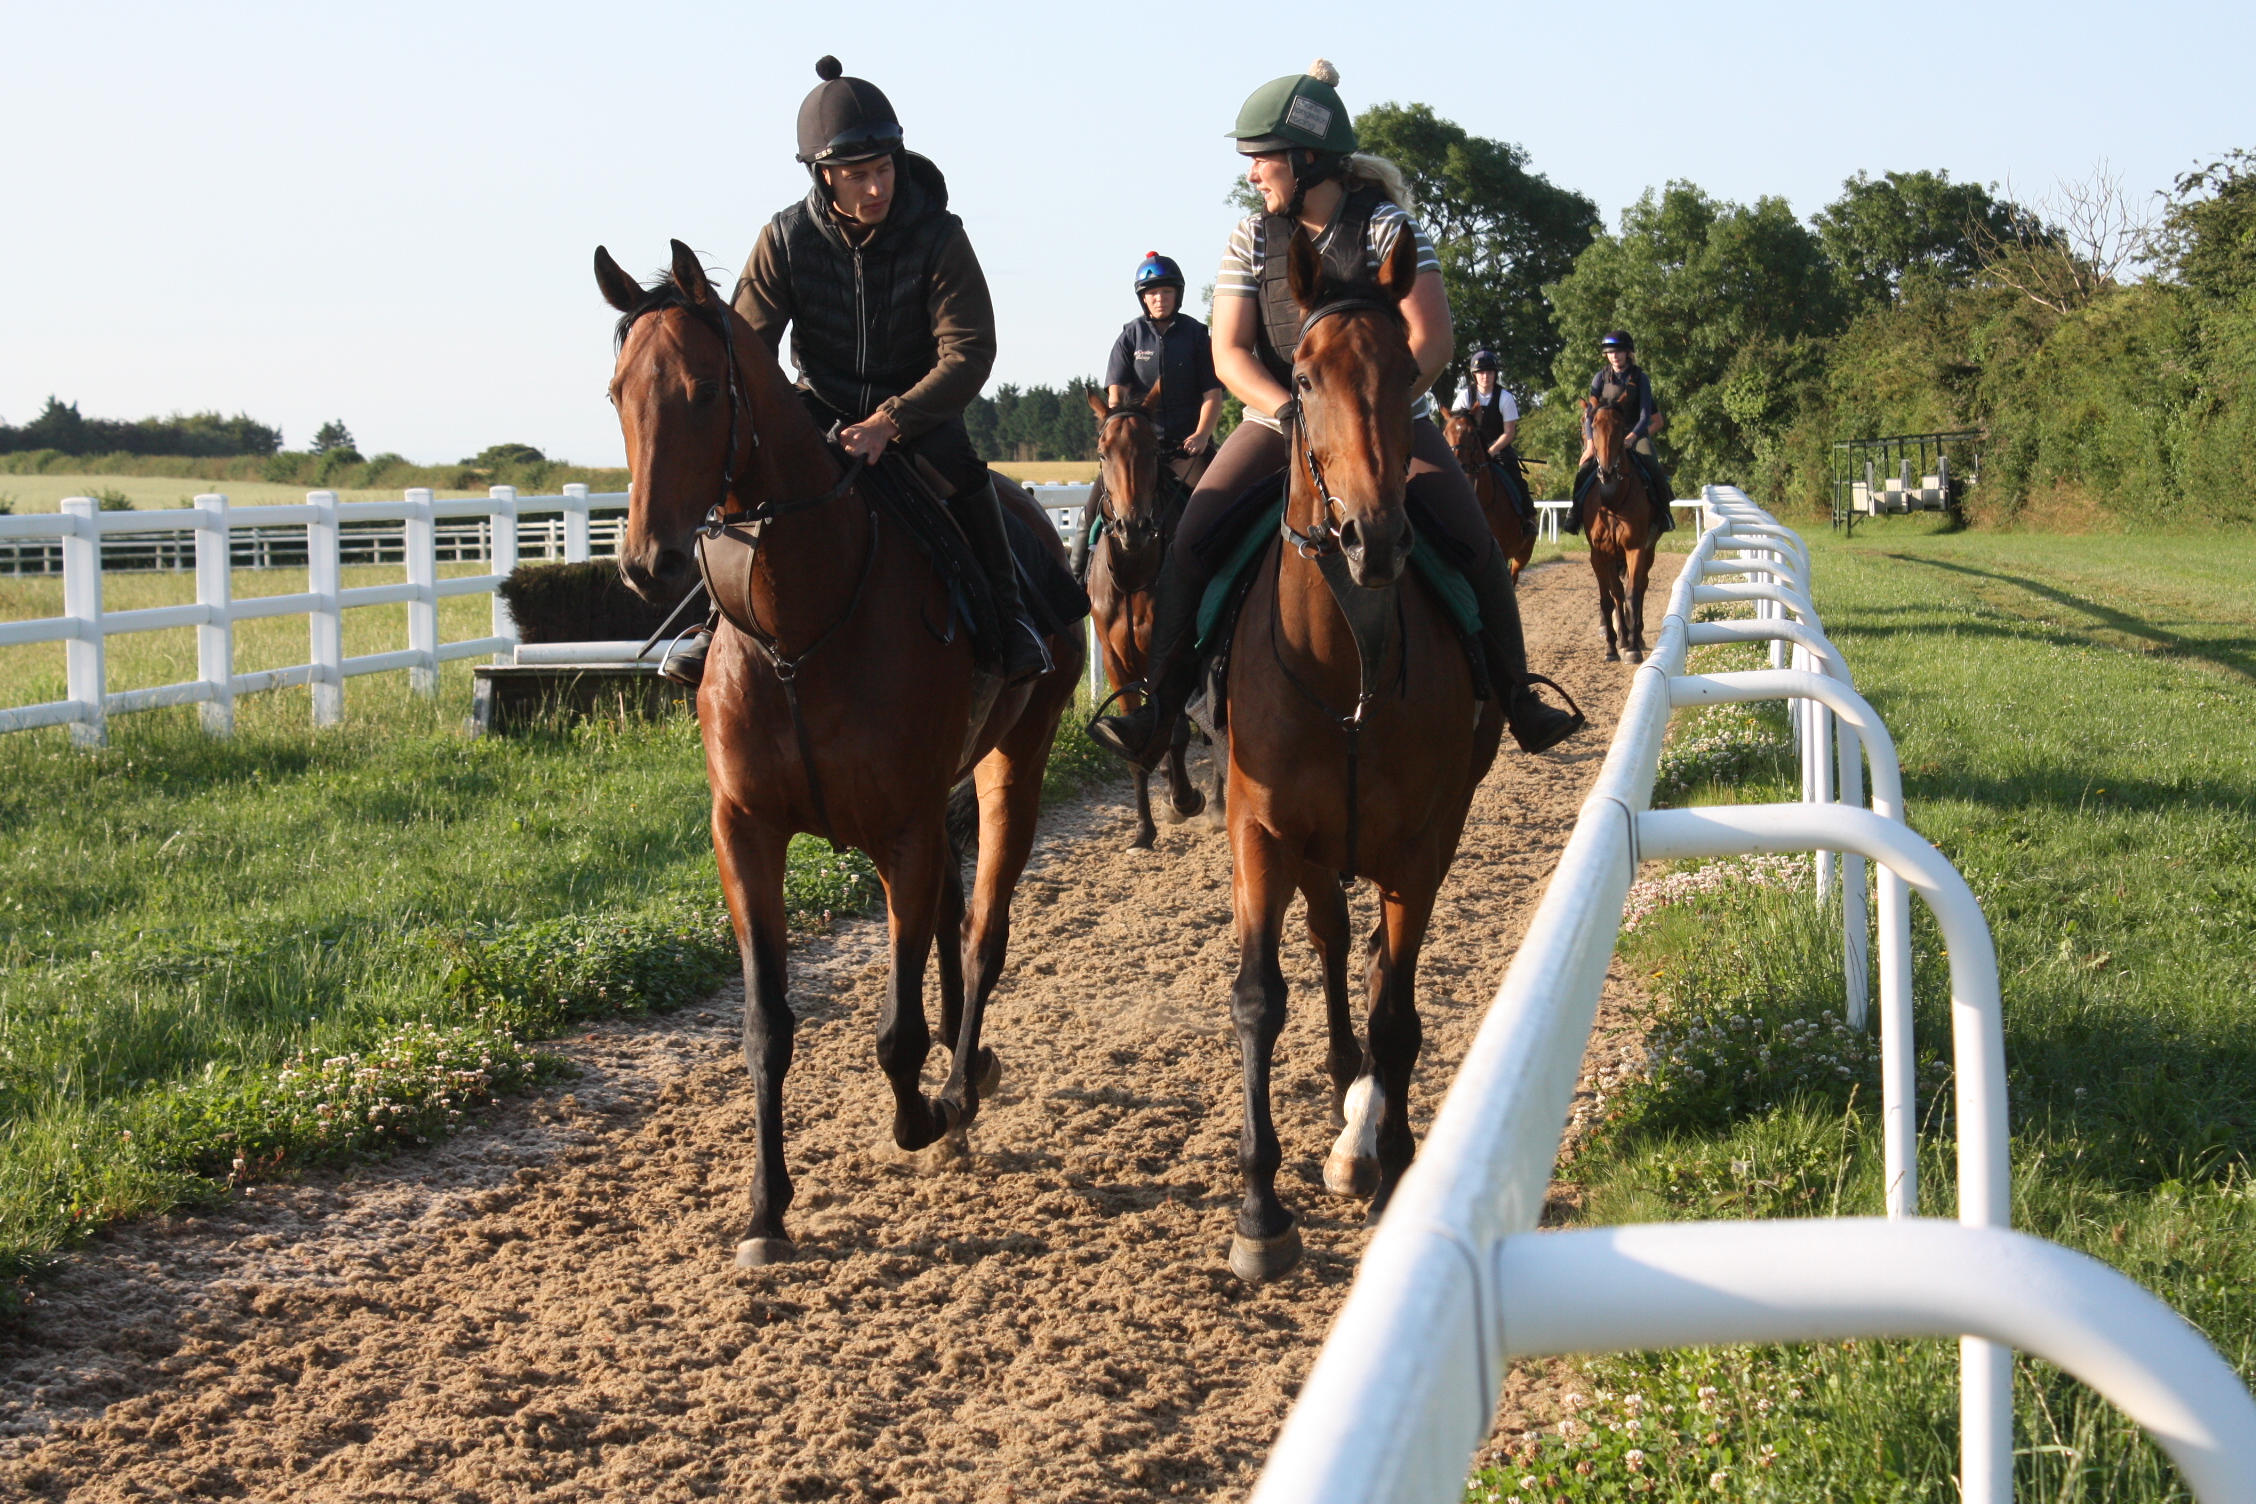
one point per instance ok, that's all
(2078, 242)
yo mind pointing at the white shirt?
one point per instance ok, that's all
(1506, 405)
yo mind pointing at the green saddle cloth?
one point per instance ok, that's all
(1214, 606)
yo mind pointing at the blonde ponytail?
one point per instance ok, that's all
(1363, 167)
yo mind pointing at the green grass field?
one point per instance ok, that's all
(2077, 720)
(24, 494)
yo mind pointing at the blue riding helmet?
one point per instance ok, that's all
(1484, 359)
(1618, 340)
(1156, 270)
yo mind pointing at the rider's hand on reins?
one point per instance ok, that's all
(867, 439)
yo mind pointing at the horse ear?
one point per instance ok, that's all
(1303, 269)
(619, 290)
(689, 276)
(1150, 404)
(1400, 269)
(1097, 403)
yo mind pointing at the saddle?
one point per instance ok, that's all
(1258, 513)
(1053, 600)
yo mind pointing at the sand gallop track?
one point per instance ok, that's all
(546, 1308)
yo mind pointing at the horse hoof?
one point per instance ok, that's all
(1257, 1259)
(1634, 657)
(1192, 806)
(990, 1073)
(758, 1253)
(1350, 1174)
(1143, 843)
(1612, 656)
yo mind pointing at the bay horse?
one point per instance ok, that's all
(1343, 766)
(839, 698)
(1137, 492)
(1618, 524)
(1504, 522)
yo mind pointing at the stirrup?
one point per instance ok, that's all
(1576, 720)
(686, 665)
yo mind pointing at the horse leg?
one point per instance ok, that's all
(948, 953)
(1009, 780)
(1395, 1031)
(751, 862)
(1605, 608)
(1146, 832)
(1183, 797)
(912, 870)
(1267, 1240)
(1640, 570)
(1349, 1169)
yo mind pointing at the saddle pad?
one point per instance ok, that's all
(1449, 586)
(1052, 597)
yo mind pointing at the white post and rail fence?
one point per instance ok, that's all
(323, 536)
(1458, 1281)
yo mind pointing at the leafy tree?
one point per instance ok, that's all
(2208, 238)
(334, 435)
(494, 456)
(1882, 229)
(1502, 233)
(59, 426)
(1034, 423)
(1730, 305)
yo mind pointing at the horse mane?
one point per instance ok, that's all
(659, 293)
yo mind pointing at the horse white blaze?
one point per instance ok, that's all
(1352, 1168)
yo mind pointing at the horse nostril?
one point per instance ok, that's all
(672, 565)
(1351, 536)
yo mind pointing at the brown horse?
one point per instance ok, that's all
(839, 697)
(1121, 576)
(1503, 519)
(1340, 765)
(1617, 521)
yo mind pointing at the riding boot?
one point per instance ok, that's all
(684, 658)
(1516, 491)
(1084, 536)
(1171, 674)
(1533, 724)
(1582, 482)
(979, 512)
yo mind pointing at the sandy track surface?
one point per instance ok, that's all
(546, 1307)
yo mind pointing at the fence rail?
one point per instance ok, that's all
(1457, 1281)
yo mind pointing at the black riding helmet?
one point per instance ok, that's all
(1484, 359)
(1156, 271)
(845, 120)
(1618, 340)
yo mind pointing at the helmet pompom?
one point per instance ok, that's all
(1324, 73)
(828, 68)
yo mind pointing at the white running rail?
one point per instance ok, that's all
(85, 626)
(1457, 1281)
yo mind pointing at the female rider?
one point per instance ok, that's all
(1622, 385)
(1495, 416)
(1301, 142)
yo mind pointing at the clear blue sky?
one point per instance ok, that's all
(385, 213)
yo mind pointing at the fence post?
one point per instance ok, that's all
(422, 560)
(575, 523)
(326, 621)
(502, 559)
(82, 602)
(215, 635)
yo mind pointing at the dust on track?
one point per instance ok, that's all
(546, 1307)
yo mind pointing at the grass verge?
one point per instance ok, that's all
(2077, 719)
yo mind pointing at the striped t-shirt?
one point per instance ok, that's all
(1240, 276)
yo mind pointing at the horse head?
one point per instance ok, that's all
(1352, 376)
(1606, 445)
(1128, 463)
(1464, 441)
(685, 410)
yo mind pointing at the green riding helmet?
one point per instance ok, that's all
(1300, 110)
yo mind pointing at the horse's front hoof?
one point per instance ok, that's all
(939, 1117)
(1612, 656)
(1350, 1174)
(1144, 840)
(990, 1074)
(759, 1253)
(1190, 806)
(1257, 1259)
(1635, 657)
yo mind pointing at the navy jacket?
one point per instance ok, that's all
(1180, 360)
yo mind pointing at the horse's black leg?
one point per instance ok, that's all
(1146, 832)
(751, 863)
(948, 933)
(1396, 1034)
(1183, 796)
(1606, 619)
(1328, 931)
(912, 874)
(1267, 1242)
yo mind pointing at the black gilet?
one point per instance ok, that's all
(861, 323)
(1347, 263)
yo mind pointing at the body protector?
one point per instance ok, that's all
(862, 331)
(1347, 261)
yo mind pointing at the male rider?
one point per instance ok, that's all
(1495, 415)
(1171, 350)
(892, 329)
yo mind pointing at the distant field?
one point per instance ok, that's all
(1078, 472)
(155, 493)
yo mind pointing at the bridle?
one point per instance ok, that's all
(1322, 537)
(1117, 528)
